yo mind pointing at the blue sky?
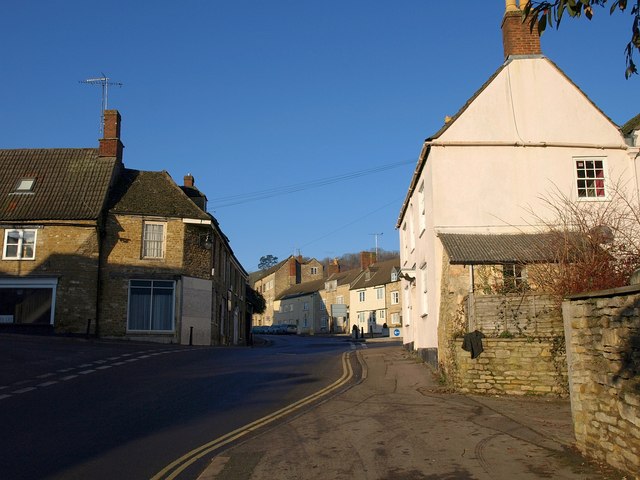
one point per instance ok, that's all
(325, 102)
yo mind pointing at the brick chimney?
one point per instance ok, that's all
(189, 180)
(367, 259)
(334, 267)
(110, 144)
(293, 271)
(517, 36)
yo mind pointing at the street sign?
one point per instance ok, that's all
(396, 332)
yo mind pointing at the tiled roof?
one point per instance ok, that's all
(260, 274)
(631, 125)
(345, 277)
(474, 249)
(152, 193)
(380, 274)
(70, 184)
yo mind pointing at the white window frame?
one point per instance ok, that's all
(20, 246)
(379, 293)
(145, 248)
(340, 300)
(173, 305)
(424, 303)
(395, 297)
(588, 182)
(422, 218)
(361, 296)
(314, 270)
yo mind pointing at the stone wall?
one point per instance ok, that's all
(68, 252)
(513, 366)
(603, 353)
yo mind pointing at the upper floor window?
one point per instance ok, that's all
(395, 298)
(153, 239)
(590, 175)
(361, 296)
(379, 293)
(314, 270)
(306, 306)
(19, 245)
(340, 300)
(394, 276)
(422, 218)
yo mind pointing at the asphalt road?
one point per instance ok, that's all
(77, 409)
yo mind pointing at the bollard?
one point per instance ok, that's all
(88, 327)
(190, 336)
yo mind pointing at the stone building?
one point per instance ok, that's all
(272, 282)
(91, 247)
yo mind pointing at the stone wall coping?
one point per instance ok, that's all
(611, 292)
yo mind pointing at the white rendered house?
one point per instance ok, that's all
(485, 170)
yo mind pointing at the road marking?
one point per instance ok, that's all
(47, 384)
(85, 365)
(103, 367)
(2, 397)
(46, 375)
(24, 390)
(68, 377)
(174, 469)
(85, 372)
(65, 370)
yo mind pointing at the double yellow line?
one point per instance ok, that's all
(175, 468)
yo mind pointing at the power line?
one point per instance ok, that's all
(230, 200)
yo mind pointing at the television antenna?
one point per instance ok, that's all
(376, 235)
(103, 82)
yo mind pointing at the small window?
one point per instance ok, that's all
(590, 174)
(514, 277)
(314, 270)
(153, 240)
(19, 245)
(395, 298)
(379, 293)
(361, 296)
(25, 185)
(339, 300)
(394, 276)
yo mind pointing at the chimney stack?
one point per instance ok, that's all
(517, 36)
(189, 180)
(334, 267)
(367, 259)
(110, 144)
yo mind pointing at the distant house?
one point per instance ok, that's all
(302, 305)
(272, 282)
(375, 296)
(91, 247)
(478, 178)
(336, 297)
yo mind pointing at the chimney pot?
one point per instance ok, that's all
(518, 38)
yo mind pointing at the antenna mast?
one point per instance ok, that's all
(104, 82)
(376, 235)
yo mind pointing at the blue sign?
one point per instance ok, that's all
(396, 332)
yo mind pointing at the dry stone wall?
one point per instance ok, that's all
(603, 353)
(513, 366)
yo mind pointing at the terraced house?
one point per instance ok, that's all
(91, 247)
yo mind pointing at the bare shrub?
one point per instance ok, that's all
(595, 245)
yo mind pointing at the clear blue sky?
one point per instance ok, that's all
(334, 97)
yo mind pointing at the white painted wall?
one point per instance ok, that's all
(196, 310)
(515, 142)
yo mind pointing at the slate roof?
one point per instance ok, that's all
(139, 192)
(380, 274)
(302, 289)
(260, 274)
(473, 249)
(70, 184)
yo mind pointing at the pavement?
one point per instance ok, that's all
(399, 423)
